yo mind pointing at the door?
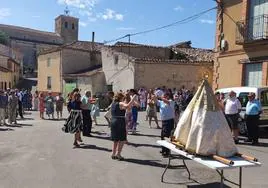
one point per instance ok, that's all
(253, 74)
(258, 15)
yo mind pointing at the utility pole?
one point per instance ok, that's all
(128, 48)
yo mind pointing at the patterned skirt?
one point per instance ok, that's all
(74, 122)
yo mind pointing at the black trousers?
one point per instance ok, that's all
(167, 127)
(20, 109)
(87, 122)
(253, 127)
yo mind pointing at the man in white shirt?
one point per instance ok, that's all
(232, 110)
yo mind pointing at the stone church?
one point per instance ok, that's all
(30, 41)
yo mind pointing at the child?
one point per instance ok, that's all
(59, 105)
(95, 110)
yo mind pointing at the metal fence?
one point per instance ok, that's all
(253, 29)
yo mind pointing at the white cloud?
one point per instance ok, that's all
(112, 15)
(82, 4)
(83, 24)
(4, 12)
(125, 28)
(179, 8)
(207, 21)
(119, 17)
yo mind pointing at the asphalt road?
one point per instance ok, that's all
(37, 154)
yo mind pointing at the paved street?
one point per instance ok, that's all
(37, 154)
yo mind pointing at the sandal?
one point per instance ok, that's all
(120, 158)
(76, 144)
(114, 157)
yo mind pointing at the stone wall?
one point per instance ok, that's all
(94, 83)
(78, 60)
(144, 51)
(30, 51)
(118, 69)
(171, 74)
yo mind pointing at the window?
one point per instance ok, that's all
(9, 84)
(264, 98)
(253, 74)
(115, 59)
(48, 82)
(48, 62)
(66, 25)
(258, 19)
(73, 27)
(9, 65)
(2, 85)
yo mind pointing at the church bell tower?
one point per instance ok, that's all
(67, 27)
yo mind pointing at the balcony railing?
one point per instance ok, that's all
(251, 30)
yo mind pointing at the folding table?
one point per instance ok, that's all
(208, 162)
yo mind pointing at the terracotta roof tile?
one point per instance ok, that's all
(196, 54)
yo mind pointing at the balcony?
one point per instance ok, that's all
(252, 30)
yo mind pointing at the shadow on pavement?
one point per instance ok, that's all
(147, 135)
(209, 185)
(102, 137)
(87, 146)
(261, 144)
(143, 145)
(153, 163)
(6, 129)
(20, 125)
(98, 133)
(25, 119)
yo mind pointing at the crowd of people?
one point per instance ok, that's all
(122, 113)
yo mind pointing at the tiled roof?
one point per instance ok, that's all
(20, 32)
(173, 61)
(77, 45)
(196, 54)
(134, 45)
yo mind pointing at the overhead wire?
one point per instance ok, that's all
(183, 21)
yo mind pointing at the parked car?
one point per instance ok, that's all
(242, 94)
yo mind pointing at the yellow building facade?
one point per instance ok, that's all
(9, 72)
(49, 72)
(241, 44)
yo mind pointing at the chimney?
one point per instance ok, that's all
(93, 37)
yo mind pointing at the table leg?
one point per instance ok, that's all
(162, 177)
(222, 179)
(184, 164)
(240, 177)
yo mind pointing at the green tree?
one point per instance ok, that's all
(3, 38)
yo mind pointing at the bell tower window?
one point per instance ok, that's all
(73, 26)
(66, 25)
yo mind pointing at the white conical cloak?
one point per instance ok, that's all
(203, 128)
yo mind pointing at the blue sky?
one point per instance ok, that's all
(114, 18)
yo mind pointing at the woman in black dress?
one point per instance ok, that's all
(118, 124)
(73, 123)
